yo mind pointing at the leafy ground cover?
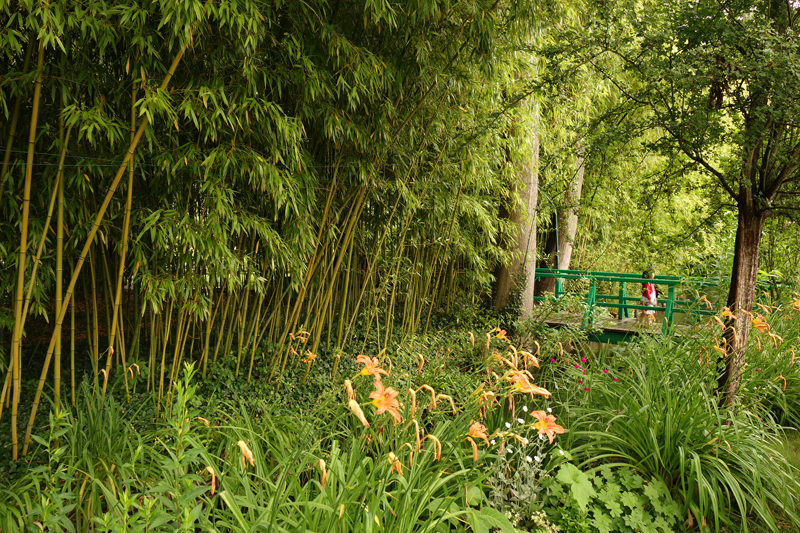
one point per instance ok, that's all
(455, 431)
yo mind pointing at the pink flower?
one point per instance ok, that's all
(758, 370)
(605, 371)
(583, 359)
(552, 360)
(580, 383)
(577, 365)
(616, 379)
(586, 389)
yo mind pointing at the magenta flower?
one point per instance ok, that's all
(580, 382)
(583, 359)
(552, 360)
(616, 379)
(605, 371)
(586, 389)
(577, 365)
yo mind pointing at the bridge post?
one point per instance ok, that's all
(588, 317)
(623, 308)
(668, 310)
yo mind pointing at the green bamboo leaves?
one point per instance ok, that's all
(297, 166)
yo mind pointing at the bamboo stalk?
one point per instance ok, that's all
(181, 334)
(256, 322)
(242, 325)
(40, 247)
(370, 270)
(95, 311)
(5, 393)
(345, 241)
(151, 361)
(98, 219)
(36, 262)
(209, 326)
(72, 349)
(16, 351)
(87, 322)
(222, 325)
(165, 340)
(125, 229)
(291, 318)
(14, 119)
(343, 307)
(59, 260)
(447, 247)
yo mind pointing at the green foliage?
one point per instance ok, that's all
(723, 468)
(238, 463)
(610, 499)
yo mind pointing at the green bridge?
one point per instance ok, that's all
(623, 326)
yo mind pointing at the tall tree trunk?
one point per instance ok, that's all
(521, 271)
(740, 296)
(563, 227)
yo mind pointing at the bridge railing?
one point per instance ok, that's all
(621, 300)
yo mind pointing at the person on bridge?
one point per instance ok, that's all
(649, 298)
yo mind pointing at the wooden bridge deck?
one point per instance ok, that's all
(615, 330)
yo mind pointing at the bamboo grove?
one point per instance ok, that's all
(210, 180)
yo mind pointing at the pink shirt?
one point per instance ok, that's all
(649, 291)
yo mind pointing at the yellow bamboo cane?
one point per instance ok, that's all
(125, 228)
(98, 219)
(12, 130)
(16, 352)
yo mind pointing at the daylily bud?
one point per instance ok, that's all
(247, 455)
(353, 405)
(324, 473)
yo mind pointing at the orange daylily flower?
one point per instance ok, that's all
(767, 310)
(705, 301)
(472, 339)
(501, 334)
(474, 449)
(437, 446)
(448, 398)
(433, 394)
(210, 470)
(775, 338)
(397, 466)
(527, 356)
(720, 349)
(478, 431)
(247, 455)
(760, 324)
(546, 424)
(485, 400)
(726, 312)
(421, 362)
(370, 366)
(385, 400)
(796, 303)
(523, 385)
